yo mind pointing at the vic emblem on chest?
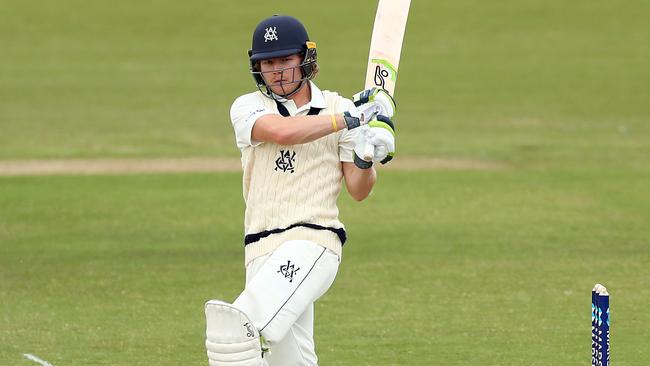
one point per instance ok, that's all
(285, 162)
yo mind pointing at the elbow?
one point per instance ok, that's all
(284, 138)
(274, 129)
(360, 195)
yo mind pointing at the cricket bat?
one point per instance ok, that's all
(386, 47)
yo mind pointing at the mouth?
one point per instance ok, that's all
(282, 82)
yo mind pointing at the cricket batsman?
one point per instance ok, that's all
(298, 143)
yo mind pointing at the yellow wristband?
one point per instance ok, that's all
(334, 126)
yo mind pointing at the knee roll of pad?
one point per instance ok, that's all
(231, 338)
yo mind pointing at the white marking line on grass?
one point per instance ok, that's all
(36, 359)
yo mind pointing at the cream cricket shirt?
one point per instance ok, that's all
(291, 191)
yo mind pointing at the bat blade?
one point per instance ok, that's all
(386, 44)
(386, 48)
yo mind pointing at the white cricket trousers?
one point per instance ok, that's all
(279, 296)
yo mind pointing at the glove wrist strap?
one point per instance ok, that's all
(350, 121)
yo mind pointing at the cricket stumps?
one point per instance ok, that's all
(599, 326)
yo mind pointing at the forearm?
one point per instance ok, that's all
(295, 130)
(359, 182)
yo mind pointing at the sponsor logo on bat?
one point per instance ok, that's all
(383, 71)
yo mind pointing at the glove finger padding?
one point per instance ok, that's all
(375, 101)
(361, 145)
(381, 152)
(383, 135)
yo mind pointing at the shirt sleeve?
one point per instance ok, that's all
(346, 137)
(244, 111)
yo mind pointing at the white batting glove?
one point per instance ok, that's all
(382, 132)
(374, 101)
(375, 142)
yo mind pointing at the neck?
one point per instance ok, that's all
(303, 96)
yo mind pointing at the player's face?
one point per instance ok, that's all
(282, 74)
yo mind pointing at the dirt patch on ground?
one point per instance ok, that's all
(193, 165)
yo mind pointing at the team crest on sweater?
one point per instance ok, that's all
(285, 162)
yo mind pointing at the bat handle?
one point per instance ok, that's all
(368, 152)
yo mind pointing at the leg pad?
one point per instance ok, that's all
(231, 338)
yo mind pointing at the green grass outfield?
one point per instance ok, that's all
(518, 80)
(465, 268)
(450, 267)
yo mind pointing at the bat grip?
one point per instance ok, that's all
(368, 152)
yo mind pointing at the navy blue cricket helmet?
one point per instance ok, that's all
(278, 36)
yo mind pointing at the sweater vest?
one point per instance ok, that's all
(291, 191)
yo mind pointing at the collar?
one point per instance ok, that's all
(317, 101)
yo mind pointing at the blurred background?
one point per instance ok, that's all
(522, 178)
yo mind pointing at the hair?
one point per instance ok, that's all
(315, 72)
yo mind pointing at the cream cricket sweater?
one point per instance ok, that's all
(291, 191)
